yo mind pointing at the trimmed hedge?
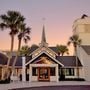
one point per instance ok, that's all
(6, 81)
(72, 79)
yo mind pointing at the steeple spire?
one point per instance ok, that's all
(43, 39)
(43, 36)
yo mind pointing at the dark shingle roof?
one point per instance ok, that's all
(65, 60)
(19, 60)
(3, 59)
(68, 60)
(54, 49)
(86, 48)
(8, 53)
(32, 49)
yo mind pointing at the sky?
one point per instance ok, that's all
(59, 17)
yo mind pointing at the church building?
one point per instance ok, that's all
(44, 63)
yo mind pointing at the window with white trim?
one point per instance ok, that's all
(69, 71)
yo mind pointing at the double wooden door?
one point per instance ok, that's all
(44, 74)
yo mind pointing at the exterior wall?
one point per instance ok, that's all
(81, 75)
(85, 37)
(53, 78)
(81, 27)
(35, 78)
(85, 60)
(81, 72)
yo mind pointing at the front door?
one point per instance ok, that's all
(44, 74)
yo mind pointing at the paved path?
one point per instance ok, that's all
(39, 84)
(68, 87)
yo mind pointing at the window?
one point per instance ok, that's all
(34, 71)
(52, 71)
(69, 71)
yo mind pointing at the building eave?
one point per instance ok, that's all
(46, 54)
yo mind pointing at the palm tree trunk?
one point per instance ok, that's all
(7, 72)
(15, 60)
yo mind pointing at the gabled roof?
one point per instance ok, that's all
(8, 53)
(19, 60)
(32, 49)
(68, 61)
(86, 49)
(44, 52)
(3, 59)
(54, 49)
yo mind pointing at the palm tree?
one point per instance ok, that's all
(22, 34)
(10, 21)
(76, 42)
(24, 51)
(62, 49)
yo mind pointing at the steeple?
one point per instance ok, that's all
(43, 39)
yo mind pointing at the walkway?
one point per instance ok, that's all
(38, 84)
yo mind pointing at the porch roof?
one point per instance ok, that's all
(3, 59)
(47, 54)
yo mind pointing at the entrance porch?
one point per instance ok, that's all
(43, 72)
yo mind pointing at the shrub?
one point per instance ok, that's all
(6, 81)
(72, 79)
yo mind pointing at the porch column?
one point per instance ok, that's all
(57, 73)
(3, 72)
(23, 69)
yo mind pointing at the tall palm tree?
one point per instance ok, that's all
(62, 49)
(22, 34)
(76, 42)
(11, 21)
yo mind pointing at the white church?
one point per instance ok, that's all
(44, 63)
